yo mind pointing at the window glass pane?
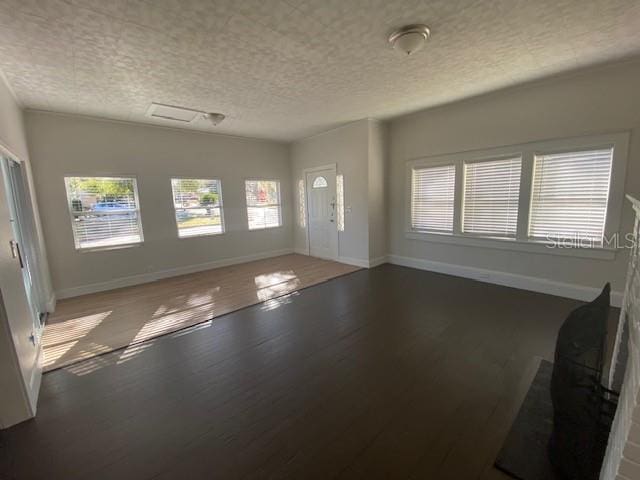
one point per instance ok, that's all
(262, 192)
(340, 201)
(198, 206)
(320, 182)
(432, 197)
(302, 205)
(104, 211)
(569, 195)
(491, 193)
(263, 204)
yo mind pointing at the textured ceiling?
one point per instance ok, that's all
(285, 69)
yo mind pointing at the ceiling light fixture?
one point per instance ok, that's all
(182, 114)
(214, 118)
(409, 39)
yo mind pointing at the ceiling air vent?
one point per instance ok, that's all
(171, 112)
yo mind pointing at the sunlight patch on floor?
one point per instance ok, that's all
(183, 301)
(89, 366)
(53, 353)
(132, 351)
(173, 321)
(73, 328)
(274, 278)
(273, 285)
(60, 338)
(278, 302)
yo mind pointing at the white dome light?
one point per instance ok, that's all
(408, 40)
(214, 118)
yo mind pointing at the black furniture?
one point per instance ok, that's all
(581, 405)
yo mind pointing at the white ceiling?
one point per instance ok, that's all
(285, 69)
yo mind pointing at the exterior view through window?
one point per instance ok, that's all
(263, 204)
(104, 211)
(198, 206)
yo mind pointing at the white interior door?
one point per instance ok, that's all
(321, 208)
(23, 348)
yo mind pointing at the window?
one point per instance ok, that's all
(569, 195)
(263, 204)
(104, 211)
(561, 196)
(432, 196)
(491, 193)
(340, 202)
(198, 206)
(302, 205)
(320, 182)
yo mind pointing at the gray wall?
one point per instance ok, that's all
(592, 102)
(67, 145)
(378, 145)
(348, 147)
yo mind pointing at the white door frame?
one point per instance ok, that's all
(329, 166)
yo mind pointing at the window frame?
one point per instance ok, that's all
(527, 151)
(175, 217)
(136, 196)
(279, 204)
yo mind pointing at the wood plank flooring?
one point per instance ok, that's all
(382, 373)
(90, 325)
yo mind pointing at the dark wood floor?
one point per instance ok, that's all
(386, 373)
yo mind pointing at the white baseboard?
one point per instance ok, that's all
(173, 272)
(51, 304)
(523, 282)
(374, 262)
(356, 262)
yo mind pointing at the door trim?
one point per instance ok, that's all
(305, 172)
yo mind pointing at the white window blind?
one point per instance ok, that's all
(263, 204)
(570, 192)
(198, 206)
(432, 198)
(104, 211)
(491, 191)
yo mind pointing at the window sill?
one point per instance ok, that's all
(265, 228)
(108, 247)
(199, 235)
(529, 246)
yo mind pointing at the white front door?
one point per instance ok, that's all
(321, 207)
